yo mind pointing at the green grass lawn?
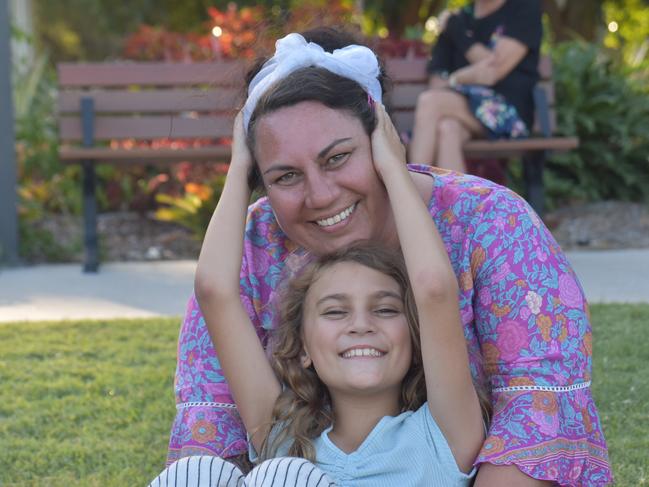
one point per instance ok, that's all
(91, 403)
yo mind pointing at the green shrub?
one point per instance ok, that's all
(44, 186)
(598, 101)
(194, 208)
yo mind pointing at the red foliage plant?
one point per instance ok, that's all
(238, 30)
(158, 44)
(229, 34)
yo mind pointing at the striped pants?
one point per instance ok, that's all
(208, 471)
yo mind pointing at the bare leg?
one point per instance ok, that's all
(494, 475)
(451, 136)
(432, 106)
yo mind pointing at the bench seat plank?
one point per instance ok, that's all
(476, 149)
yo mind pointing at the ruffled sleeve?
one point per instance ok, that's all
(207, 421)
(534, 335)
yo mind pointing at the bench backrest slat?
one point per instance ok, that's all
(153, 101)
(148, 127)
(404, 95)
(413, 70)
(228, 73)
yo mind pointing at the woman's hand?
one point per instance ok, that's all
(442, 19)
(387, 150)
(241, 156)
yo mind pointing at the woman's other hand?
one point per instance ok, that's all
(442, 19)
(241, 156)
(387, 150)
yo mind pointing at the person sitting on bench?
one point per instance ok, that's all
(483, 70)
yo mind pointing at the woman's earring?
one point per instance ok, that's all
(306, 360)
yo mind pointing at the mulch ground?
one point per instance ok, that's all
(598, 226)
(129, 236)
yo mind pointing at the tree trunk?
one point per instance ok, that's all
(574, 19)
(399, 15)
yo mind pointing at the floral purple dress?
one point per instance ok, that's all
(525, 320)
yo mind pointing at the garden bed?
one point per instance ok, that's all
(124, 236)
(599, 226)
(131, 236)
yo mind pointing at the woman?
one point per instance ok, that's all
(523, 312)
(483, 71)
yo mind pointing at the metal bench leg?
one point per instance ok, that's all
(533, 163)
(91, 257)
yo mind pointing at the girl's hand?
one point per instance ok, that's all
(387, 150)
(241, 156)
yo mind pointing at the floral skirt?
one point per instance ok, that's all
(500, 119)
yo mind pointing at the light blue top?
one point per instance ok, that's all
(405, 450)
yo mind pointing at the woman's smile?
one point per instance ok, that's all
(337, 218)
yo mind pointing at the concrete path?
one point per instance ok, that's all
(119, 290)
(613, 275)
(146, 289)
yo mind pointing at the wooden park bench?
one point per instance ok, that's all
(191, 107)
(169, 113)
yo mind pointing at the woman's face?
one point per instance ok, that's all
(316, 164)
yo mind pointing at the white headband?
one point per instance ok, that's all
(293, 52)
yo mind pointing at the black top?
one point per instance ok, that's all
(517, 19)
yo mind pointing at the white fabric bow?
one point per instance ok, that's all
(293, 52)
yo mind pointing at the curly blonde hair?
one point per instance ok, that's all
(303, 409)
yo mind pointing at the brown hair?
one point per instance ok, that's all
(303, 409)
(313, 84)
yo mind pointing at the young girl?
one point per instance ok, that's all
(369, 381)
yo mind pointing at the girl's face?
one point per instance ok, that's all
(316, 163)
(355, 331)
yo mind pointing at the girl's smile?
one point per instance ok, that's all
(362, 351)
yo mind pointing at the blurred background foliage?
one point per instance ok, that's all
(96, 29)
(606, 104)
(600, 50)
